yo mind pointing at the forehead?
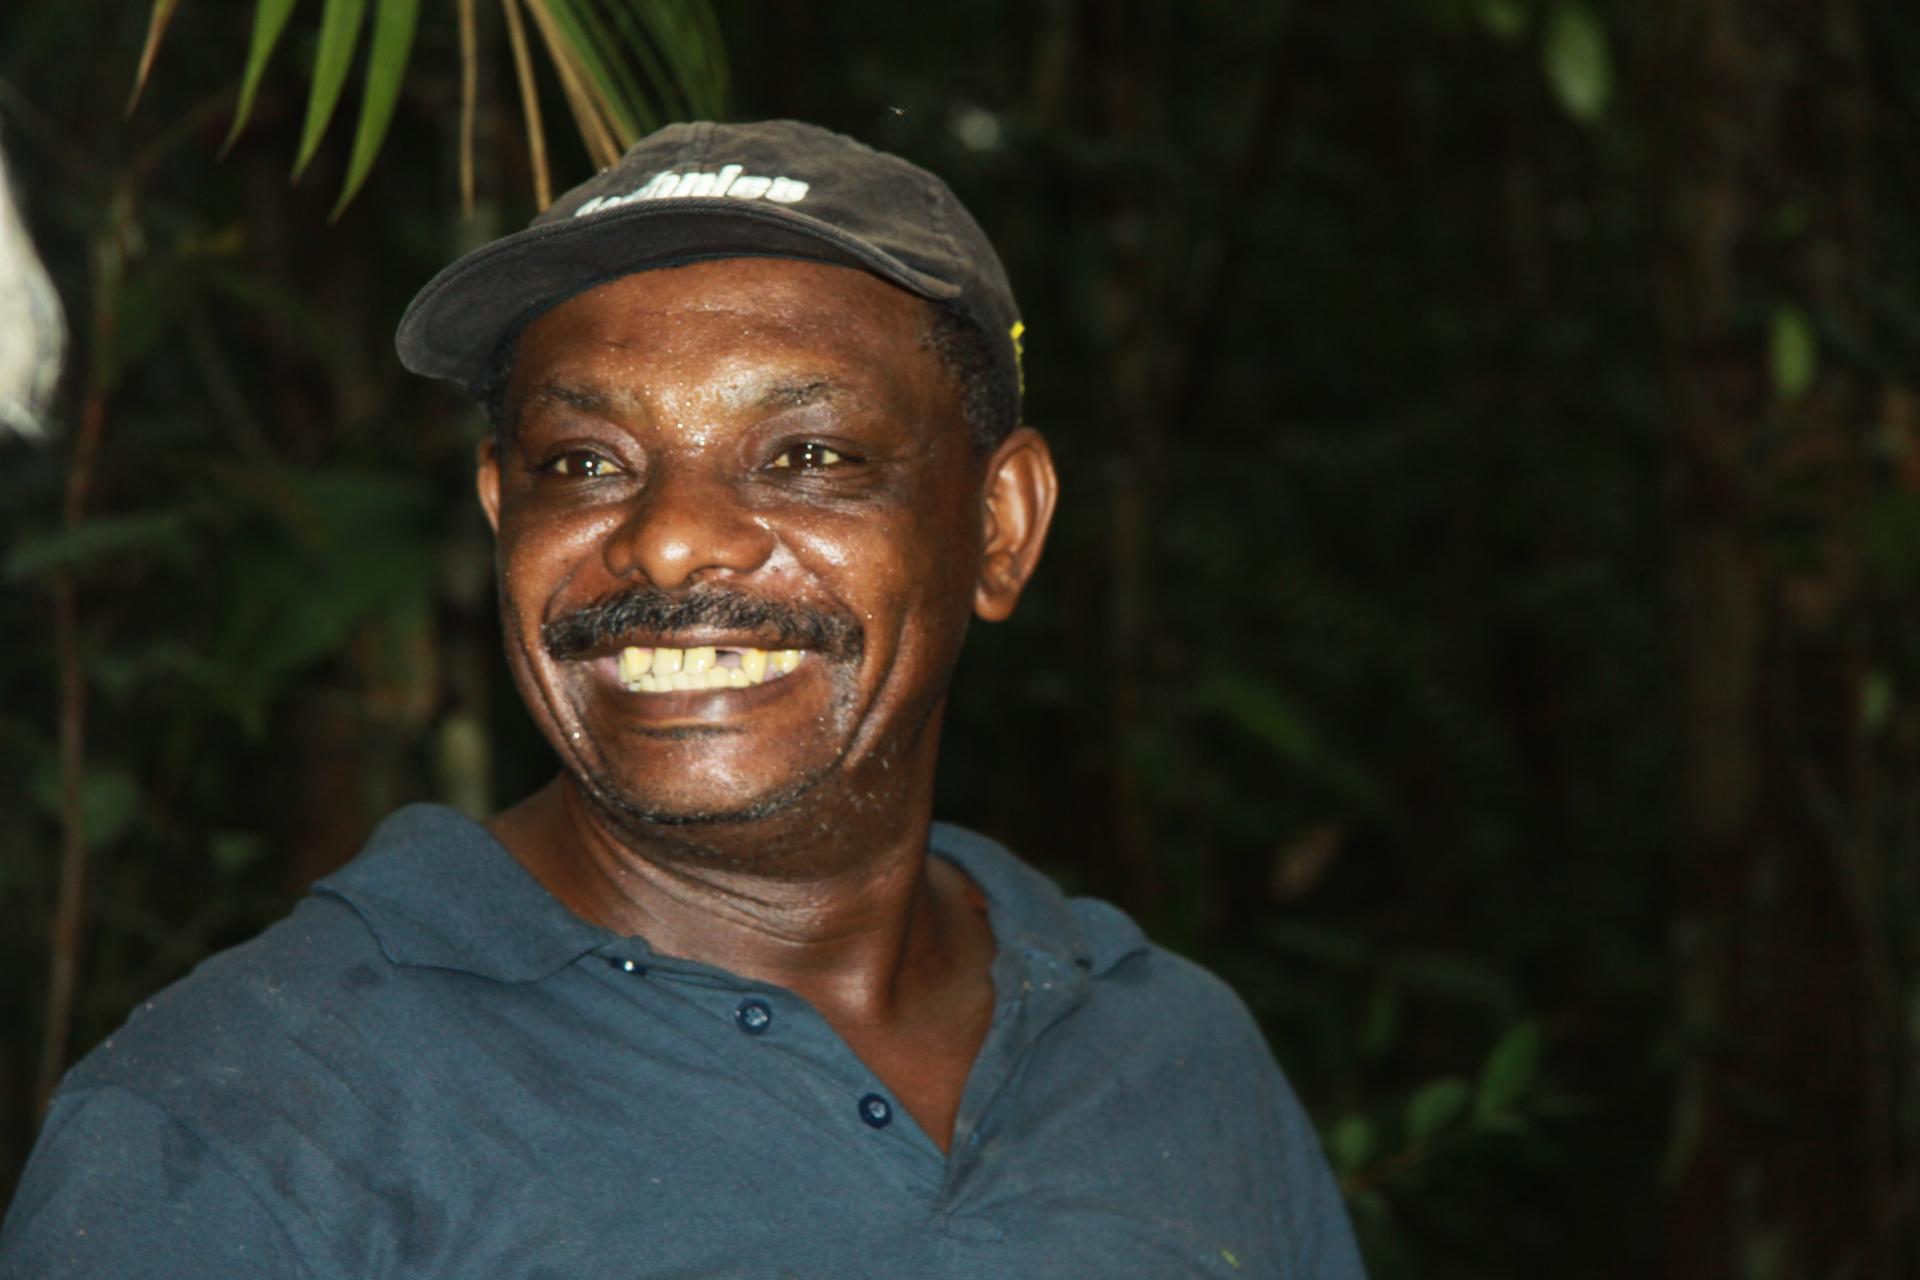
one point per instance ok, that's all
(732, 311)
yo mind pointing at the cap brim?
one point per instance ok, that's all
(454, 326)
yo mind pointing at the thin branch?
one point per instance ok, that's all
(529, 104)
(469, 102)
(63, 958)
(588, 113)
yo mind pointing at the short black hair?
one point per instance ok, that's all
(981, 370)
(987, 380)
(492, 390)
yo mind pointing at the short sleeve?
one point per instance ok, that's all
(118, 1188)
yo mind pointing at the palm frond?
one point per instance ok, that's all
(624, 67)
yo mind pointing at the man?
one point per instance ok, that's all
(721, 1000)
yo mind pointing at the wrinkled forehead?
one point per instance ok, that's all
(753, 297)
(748, 329)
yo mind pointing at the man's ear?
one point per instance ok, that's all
(1015, 510)
(486, 481)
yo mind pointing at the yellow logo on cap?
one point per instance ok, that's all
(1019, 353)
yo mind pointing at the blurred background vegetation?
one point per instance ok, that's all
(1481, 622)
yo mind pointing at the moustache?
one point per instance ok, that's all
(650, 611)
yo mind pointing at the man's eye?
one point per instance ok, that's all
(814, 454)
(580, 463)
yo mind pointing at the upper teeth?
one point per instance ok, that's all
(661, 670)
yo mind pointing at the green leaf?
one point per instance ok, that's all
(109, 799)
(150, 302)
(1503, 19)
(1380, 1024)
(1793, 353)
(593, 44)
(341, 548)
(1454, 978)
(1578, 65)
(24, 739)
(1437, 1104)
(1262, 711)
(1877, 701)
(339, 31)
(135, 671)
(235, 851)
(1370, 1206)
(393, 26)
(269, 22)
(147, 534)
(671, 53)
(698, 53)
(669, 86)
(463, 763)
(1508, 1072)
(1318, 944)
(1351, 1144)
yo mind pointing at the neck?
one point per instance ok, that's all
(846, 912)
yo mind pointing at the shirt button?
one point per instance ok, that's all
(625, 965)
(754, 1016)
(876, 1111)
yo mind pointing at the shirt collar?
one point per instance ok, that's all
(1029, 911)
(438, 891)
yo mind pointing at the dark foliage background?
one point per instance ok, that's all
(1481, 621)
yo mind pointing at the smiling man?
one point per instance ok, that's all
(720, 1000)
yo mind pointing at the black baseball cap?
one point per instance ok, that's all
(689, 192)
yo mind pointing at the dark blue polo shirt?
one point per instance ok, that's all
(433, 1069)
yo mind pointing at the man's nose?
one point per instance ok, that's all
(685, 525)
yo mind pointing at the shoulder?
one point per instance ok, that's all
(1157, 1046)
(222, 1017)
(1169, 986)
(1137, 981)
(135, 1172)
(306, 1021)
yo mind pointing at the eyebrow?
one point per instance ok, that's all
(577, 395)
(787, 393)
(794, 393)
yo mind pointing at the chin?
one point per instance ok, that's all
(633, 808)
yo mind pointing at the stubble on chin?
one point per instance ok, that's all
(635, 814)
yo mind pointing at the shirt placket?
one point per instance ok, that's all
(776, 1041)
(1034, 989)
